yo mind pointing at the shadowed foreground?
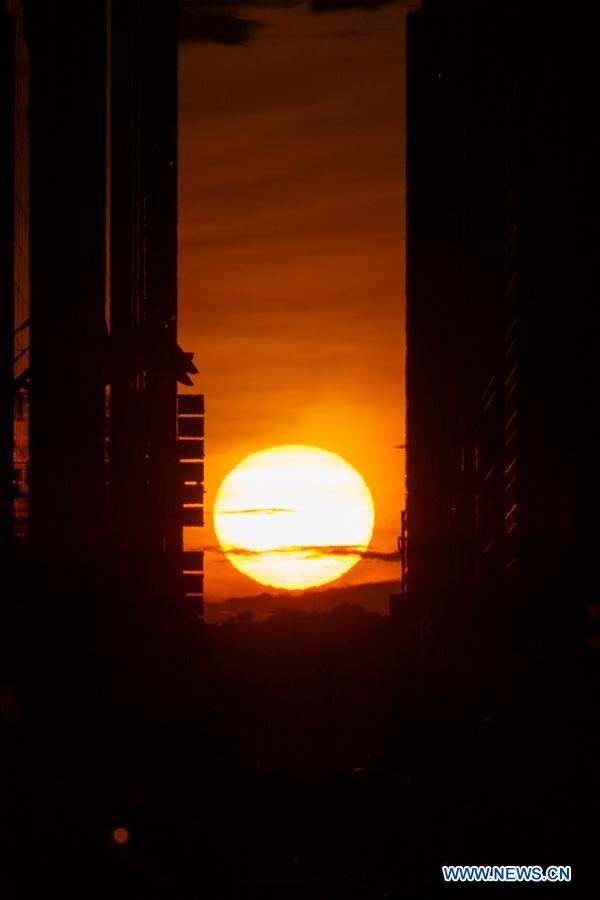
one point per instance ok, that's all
(307, 756)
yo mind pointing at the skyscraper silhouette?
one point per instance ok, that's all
(14, 275)
(69, 341)
(146, 482)
(500, 486)
(92, 224)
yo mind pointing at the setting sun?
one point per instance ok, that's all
(294, 516)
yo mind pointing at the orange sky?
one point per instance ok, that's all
(292, 252)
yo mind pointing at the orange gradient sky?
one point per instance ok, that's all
(291, 259)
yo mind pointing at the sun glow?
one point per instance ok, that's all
(294, 516)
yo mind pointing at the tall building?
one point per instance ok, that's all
(502, 494)
(14, 275)
(69, 341)
(101, 464)
(147, 481)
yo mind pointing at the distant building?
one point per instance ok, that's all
(502, 490)
(14, 274)
(397, 602)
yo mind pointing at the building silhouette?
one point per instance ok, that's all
(68, 43)
(155, 477)
(101, 465)
(14, 275)
(502, 490)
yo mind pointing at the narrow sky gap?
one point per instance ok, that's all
(291, 252)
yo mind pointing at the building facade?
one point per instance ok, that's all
(101, 465)
(147, 456)
(500, 503)
(68, 121)
(14, 275)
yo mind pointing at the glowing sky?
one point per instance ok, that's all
(292, 252)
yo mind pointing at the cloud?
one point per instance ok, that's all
(314, 552)
(215, 23)
(219, 22)
(324, 6)
(244, 512)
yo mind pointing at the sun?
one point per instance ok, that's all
(294, 516)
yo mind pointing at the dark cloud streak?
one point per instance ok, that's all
(218, 21)
(215, 23)
(244, 512)
(325, 6)
(314, 552)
